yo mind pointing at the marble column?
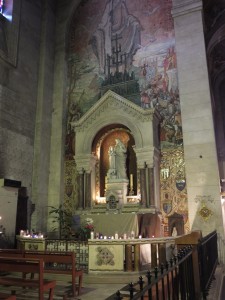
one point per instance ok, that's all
(81, 190)
(153, 255)
(143, 187)
(128, 258)
(87, 190)
(202, 176)
(137, 257)
(151, 187)
(147, 187)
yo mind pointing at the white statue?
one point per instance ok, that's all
(117, 161)
(174, 232)
(112, 158)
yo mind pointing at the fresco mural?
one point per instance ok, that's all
(129, 48)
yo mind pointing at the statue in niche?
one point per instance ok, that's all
(117, 161)
(112, 158)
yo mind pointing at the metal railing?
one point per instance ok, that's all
(173, 281)
(208, 261)
(221, 249)
(178, 279)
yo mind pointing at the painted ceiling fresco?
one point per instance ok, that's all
(129, 48)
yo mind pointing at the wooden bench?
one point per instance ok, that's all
(4, 296)
(23, 265)
(11, 253)
(52, 260)
(59, 263)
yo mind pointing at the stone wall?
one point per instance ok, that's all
(22, 84)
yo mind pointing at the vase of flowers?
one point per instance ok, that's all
(85, 229)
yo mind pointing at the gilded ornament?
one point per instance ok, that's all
(205, 212)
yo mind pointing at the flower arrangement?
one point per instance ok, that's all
(86, 228)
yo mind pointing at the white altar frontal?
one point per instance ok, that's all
(119, 255)
(105, 256)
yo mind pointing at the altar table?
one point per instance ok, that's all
(108, 224)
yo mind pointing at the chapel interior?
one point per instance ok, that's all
(77, 78)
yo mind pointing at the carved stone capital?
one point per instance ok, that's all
(85, 163)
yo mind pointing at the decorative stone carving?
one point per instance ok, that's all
(138, 122)
(111, 101)
(104, 256)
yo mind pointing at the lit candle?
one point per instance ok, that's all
(92, 235)
(131, 181)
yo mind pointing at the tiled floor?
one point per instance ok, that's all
(99, 291)
(94, 290)
(95, 286)
(99, 286)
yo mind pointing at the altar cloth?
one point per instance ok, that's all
(108, 224)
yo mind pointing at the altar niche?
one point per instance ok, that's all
(117, 156)
(116, 183)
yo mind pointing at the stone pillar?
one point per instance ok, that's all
(203, 184)
(85, 166)
(47, 183)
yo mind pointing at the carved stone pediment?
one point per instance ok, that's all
(112, 103)
(114, 109)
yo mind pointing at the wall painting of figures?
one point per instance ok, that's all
(129, 48)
